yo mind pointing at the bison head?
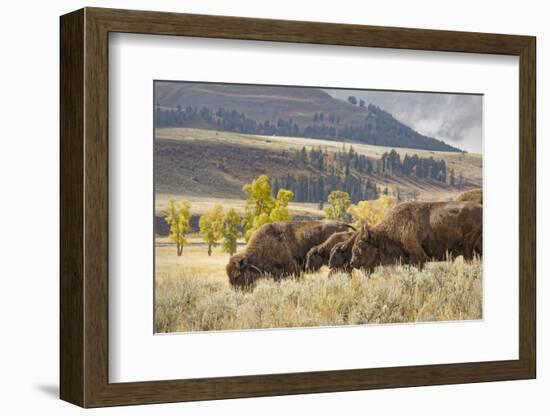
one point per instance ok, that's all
(241, 273)
(365, 253)
(314, 260)
(340, 255)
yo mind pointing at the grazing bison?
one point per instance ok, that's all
(278, 250)
(340, 255)
(416, 232)
(473, 195)
(319, 255)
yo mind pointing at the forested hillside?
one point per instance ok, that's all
(358, 175)
(292, 112)
(216, 164)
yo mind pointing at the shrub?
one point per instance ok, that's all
(444, 291)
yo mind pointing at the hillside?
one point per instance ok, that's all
(282, 111)
(256, 101)
(209, 164)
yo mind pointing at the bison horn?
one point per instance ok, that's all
(351, 226)
(255, 268)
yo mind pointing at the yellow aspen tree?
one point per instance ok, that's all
(179, 214)
(211, 226)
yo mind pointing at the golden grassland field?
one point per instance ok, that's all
(192, 293)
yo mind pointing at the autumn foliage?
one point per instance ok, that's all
(179, 213)
(371, 212)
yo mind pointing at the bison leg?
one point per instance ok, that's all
(473, 245)
(348, 270)
(416, 253)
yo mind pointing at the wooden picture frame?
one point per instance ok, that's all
(84, 207)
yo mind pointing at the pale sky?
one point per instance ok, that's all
(453, 118)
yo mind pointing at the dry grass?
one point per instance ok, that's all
(200, 205)
(470, 164)
(192, 294)
(282, 142)
(193, 264)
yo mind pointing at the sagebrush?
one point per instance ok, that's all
(443, 291)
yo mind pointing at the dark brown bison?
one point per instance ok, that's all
(340, 255)
(416, 232)
(319, 255)
(473, 195)
(278, 250)
(373, 249)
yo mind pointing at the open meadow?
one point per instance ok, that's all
(192, 293)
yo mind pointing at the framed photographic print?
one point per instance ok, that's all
(257, 207)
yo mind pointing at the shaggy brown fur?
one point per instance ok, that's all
(340, 255)
(278, 250)
(376, 249)
(319, 255)
(416, 232)
(473, 195)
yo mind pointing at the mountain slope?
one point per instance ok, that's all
(257, 102)
(207, 164)
(275, 110)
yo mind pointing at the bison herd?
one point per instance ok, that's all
(411, 233)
